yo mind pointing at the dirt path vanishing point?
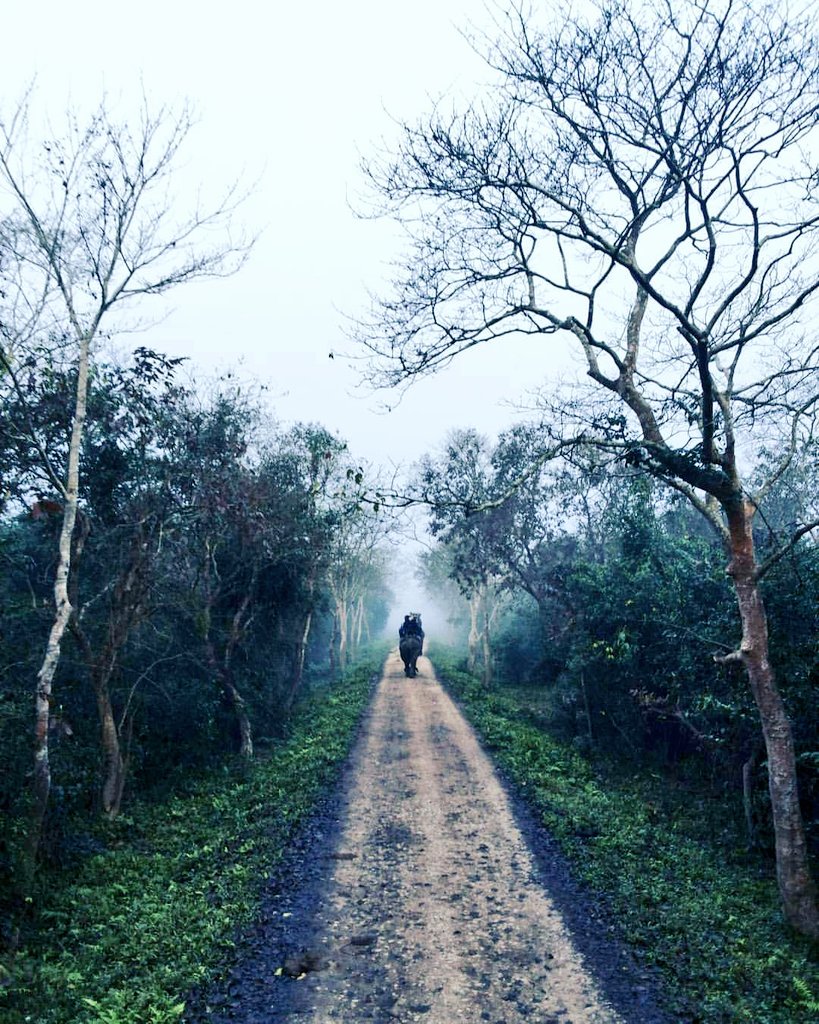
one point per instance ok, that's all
(418, 898)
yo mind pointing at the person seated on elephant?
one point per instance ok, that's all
(411, 626)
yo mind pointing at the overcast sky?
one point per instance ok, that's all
(291, 94)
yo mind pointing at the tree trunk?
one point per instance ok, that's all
(474, 634)
(221, 668)
(298, 667)
(41, 782)
(235, 701)
(748, 799)
(486, 646)
(359, 623)
(237, 704)
(342, 612)
(124, 612)
(113, 765)
(586, 707)
(796, 887)
(333, 646)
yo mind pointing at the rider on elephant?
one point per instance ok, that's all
(411, 626)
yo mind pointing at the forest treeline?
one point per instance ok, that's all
(607, 595)
(172, 563)
(215, 559)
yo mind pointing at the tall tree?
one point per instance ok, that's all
(126, 495)
(89, 230)
(458, 486)
(356, 567)
(228, 510)
(316, 454)
(641, 183)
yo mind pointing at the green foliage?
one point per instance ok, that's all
(616, 619)
(201, 579)
(151, 914)
(687, 895)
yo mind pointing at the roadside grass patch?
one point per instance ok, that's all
(140, 924)
(705, 914)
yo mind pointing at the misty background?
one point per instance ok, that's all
(288, 100)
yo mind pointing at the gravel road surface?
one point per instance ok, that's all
(422, 892)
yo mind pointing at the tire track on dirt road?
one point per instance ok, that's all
(431, 907)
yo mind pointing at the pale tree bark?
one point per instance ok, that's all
(727, 507)
(343, 618)
(479, 641)
(41, 783)
(474, 638)
(486, 642)
(362, 626)
(356, 625)
(338, 585)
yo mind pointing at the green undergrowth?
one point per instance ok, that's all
(141, 923)
(703, 913)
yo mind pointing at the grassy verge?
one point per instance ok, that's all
(711, 924)
(140, 924)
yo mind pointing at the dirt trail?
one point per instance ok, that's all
(427, 906)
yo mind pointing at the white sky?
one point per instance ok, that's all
(291, 93)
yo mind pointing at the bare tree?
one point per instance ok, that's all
(89, 228)
(643, 183)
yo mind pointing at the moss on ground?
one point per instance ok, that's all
(155, 912)
(705, 914)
